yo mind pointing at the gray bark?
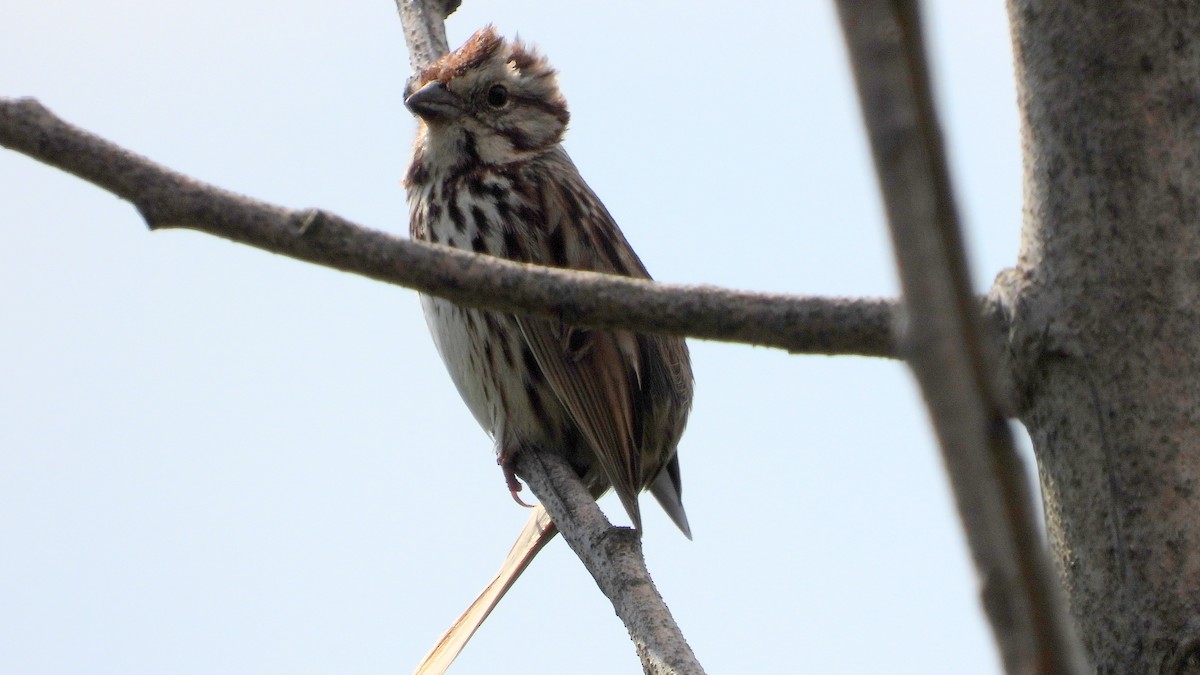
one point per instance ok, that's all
(1105, 320)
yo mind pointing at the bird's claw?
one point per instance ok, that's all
(511, 480)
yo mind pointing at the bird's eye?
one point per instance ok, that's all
(497, 96)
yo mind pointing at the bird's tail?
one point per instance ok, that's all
(538, 531)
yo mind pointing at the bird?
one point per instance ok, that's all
(488, 174)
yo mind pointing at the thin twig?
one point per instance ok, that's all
(945, 344)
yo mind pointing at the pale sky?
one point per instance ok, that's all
(217, 460)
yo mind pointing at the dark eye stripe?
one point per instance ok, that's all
(554, 107)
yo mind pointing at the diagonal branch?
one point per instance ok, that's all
(945, 345)
(166, 198)
(613, 556)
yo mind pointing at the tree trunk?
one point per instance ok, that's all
(1105, 307)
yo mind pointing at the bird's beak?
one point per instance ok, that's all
(435, 102)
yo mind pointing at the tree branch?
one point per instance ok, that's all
(168, 199)
(613, 556)
(944, 343)
(1105, 315)
(424, 29)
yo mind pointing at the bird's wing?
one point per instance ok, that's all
(596, 374)
(595, 382)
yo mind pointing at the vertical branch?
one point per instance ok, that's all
(944, 341)
(425, 29)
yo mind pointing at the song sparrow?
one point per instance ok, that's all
(489, 175)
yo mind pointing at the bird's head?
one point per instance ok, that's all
(491, 101)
